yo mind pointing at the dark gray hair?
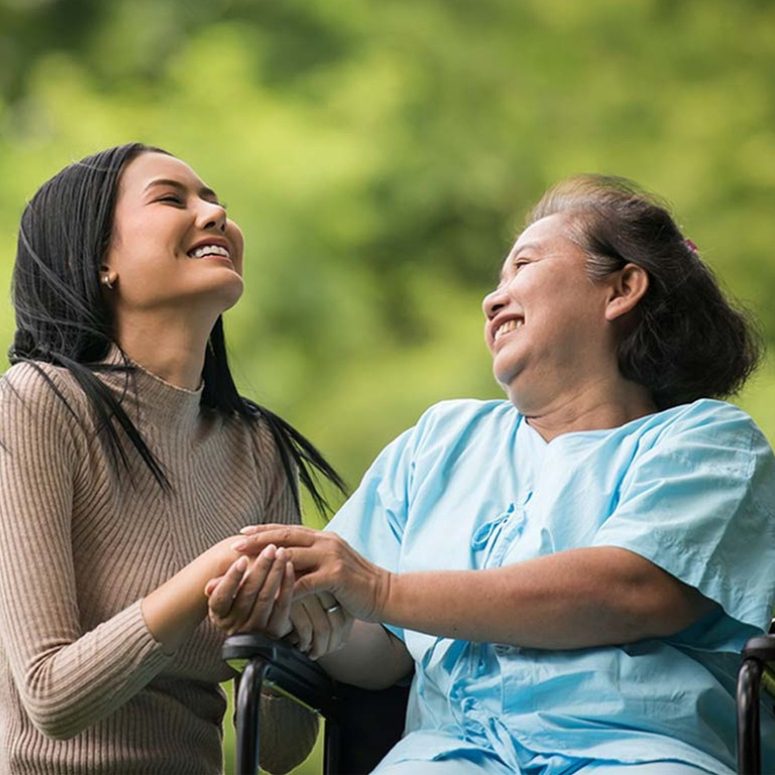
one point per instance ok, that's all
(687, 341)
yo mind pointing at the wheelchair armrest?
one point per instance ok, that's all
(761, 648)
(756, 653)
(285, 668)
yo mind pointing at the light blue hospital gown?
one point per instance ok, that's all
(472, 485)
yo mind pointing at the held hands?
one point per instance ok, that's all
(323, 563)
(256, 595)
(253, 595)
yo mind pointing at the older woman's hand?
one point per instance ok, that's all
(324, 562)
(320, 625)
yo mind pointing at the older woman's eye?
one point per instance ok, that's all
(520, 262)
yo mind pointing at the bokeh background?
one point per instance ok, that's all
(380, 157)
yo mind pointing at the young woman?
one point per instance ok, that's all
(571, 572)
(128, 460)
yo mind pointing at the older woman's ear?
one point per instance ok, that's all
(628, 286)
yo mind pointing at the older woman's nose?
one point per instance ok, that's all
(493, 302)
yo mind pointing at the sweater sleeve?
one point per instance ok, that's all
(67, 679)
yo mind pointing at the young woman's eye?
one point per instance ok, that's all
(171, 199)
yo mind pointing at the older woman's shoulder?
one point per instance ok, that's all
(717, 421)
(458, 415)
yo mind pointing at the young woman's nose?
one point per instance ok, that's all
(211, 215)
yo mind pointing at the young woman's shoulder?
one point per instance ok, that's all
(39, 394)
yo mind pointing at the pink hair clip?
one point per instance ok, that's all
(689, 244)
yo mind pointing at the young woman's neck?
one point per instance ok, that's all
(170, 348)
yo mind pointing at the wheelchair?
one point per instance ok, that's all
(361, 725)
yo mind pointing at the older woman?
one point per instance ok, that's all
(571, 572)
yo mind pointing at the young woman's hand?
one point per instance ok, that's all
(254, 595)
(324, 562)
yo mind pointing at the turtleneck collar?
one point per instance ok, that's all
(150, 398)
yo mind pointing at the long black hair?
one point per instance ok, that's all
(62, 318)
(688, 341)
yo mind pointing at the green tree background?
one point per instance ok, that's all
(381, 155)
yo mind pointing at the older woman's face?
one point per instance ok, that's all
(546, 319)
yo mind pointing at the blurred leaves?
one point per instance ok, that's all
(380, 157)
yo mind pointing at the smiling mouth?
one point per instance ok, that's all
(507, 328)
(209, 250)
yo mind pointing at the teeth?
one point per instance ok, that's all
(209, 250)
(508, 327)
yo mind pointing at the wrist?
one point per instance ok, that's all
(387, 590)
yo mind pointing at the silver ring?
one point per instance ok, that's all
(332, 609)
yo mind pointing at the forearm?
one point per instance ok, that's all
(372, 658)
(91, 674)
(175, 609)
(574, 599)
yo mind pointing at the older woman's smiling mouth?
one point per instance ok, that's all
(507, 327)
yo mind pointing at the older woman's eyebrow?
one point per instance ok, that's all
(528, 246)
(204, 192)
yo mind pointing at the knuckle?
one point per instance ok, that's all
(337, 567)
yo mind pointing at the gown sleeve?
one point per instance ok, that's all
(373, 519)
(700, 504)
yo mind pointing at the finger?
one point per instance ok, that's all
(211, 585)
(252, 582)
(340, 622)
(321, 626)
(222, 596)
(279, 623)
(265, 597)
(302, 626)
(267, 527)
(280, 535)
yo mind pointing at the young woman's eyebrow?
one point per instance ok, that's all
(204, 192)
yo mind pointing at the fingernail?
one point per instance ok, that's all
(249, 530)
(280, 554)
(238, 546)
(241, 564)
(269, 551)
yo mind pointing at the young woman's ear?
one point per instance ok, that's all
(107, 277)
(628, 287)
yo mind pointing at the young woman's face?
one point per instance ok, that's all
(172, 245)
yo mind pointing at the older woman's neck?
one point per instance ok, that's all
(594, 406)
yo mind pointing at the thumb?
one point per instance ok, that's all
(211, 585)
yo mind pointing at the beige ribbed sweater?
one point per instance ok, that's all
(84, 687)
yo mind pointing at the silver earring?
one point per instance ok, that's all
(106, 281)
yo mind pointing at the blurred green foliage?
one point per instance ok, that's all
(380, 156)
